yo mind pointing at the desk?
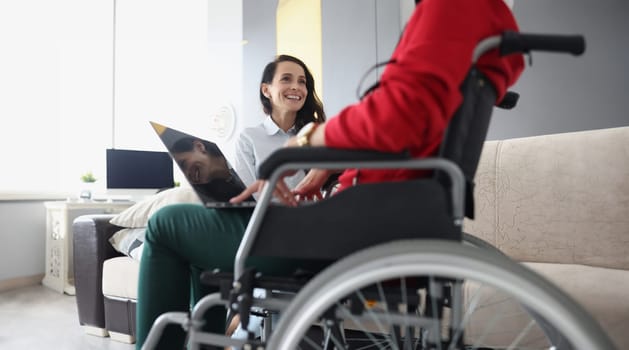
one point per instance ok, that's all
(59, 270)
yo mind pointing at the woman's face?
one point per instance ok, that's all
(287, 91)
(199, 166)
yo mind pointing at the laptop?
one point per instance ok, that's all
(205, 167)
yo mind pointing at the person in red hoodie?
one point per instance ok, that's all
(409, 111)
(418, 92)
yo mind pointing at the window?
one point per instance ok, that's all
(43, 56)
(72, 86)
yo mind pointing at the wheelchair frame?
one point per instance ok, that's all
(450, 259)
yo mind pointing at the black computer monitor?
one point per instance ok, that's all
(132, 169)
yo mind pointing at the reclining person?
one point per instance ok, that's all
(409, 111)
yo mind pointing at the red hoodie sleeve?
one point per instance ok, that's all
(419, 90)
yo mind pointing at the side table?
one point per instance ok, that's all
(59, 270)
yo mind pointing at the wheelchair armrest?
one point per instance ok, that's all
(293, 158)
(321, 154)
(287, 159)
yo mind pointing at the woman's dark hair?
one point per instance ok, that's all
(185, 144)
(312, 111)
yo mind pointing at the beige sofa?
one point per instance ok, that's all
(560, 204)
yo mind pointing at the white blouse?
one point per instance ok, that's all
(255, 144)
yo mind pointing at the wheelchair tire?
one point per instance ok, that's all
(338, 294)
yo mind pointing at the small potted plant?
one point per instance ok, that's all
(88, 179)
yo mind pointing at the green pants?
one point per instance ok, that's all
(181, 241)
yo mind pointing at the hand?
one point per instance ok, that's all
(309, 187)
(281, 192)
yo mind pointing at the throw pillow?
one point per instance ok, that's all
(128, 241)
(138, 214)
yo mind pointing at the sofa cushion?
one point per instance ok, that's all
(601, 291)
(120, 278)
(560, 198)
(138, 214)
(134, 219)
(128, 241)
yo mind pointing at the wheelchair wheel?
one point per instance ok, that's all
(480, 243)
(426, 294)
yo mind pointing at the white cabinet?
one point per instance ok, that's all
(59, 271)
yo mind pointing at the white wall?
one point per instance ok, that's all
(352, 47)
(260, 48)
(562, 93)
(22, 234)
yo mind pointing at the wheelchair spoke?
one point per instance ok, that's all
(330, 336)
(434, 333)
(502, 315)
(407, 331)
(368, 309)
(488, 325)
(520, 336)
(355, 320)
(385, 305)
(466, 317)
(311, 343)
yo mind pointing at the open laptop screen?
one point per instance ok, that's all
(204, 166)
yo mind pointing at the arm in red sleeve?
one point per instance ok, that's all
(419, 90)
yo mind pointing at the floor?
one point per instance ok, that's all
(36, 317)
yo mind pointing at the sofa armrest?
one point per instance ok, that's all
(91, 235)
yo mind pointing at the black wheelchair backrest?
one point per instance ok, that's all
(466, 132)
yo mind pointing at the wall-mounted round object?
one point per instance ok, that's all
(223, 123)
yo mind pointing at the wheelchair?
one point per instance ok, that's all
(401, 272)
